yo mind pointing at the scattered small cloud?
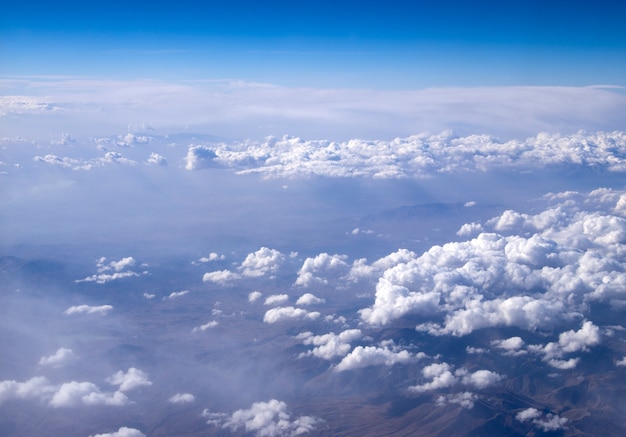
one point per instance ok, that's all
(464, 399)
(253, 296)
(331, 345)
(176, 294)
(547, 422)
(123, 431)
(182, 398)
(289, 313)
(208, 325)
(60, 358)
(88, 309)
(129, 380)
(309, 299)
(276, 299)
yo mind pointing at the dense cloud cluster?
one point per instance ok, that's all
(415, 156)
(531, 271)
(530, 280)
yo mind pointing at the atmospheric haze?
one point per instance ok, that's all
(280, 253)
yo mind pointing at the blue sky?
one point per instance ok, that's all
(395, 44)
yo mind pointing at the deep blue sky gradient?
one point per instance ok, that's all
(391, 44)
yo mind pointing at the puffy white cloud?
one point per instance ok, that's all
(199, 157)
(309, 299)
(521, 311)
(116, 398)
(481, 378)
(546, 422)
(68, 394)
(156, 159)
(366, 356)
(118, 266)
(263, 261)
(276, 299)
(88, 309)
(149, 295)
(182, 398)
(569, 342)
(564, 364)
(123, 431)
(528, 414)
(213, 256)
(129, 380)
(75, 393)
(320, 269)
(253, 296)
(395, 301)
(284, 314)
(361, 270)
(574, 341)
(441, 375)
(72, 393)
(511, 345)
(61, 357)
(621, 362)
(331, 345)
(34, 388)
(469, 229)
(265, 419)
(222, 277)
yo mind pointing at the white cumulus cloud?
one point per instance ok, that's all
(366, 356)
(265, 419)
(328, 346)
(289, 313)
(276, 299)
(61, 357)
(309, 299)
(129, 380)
